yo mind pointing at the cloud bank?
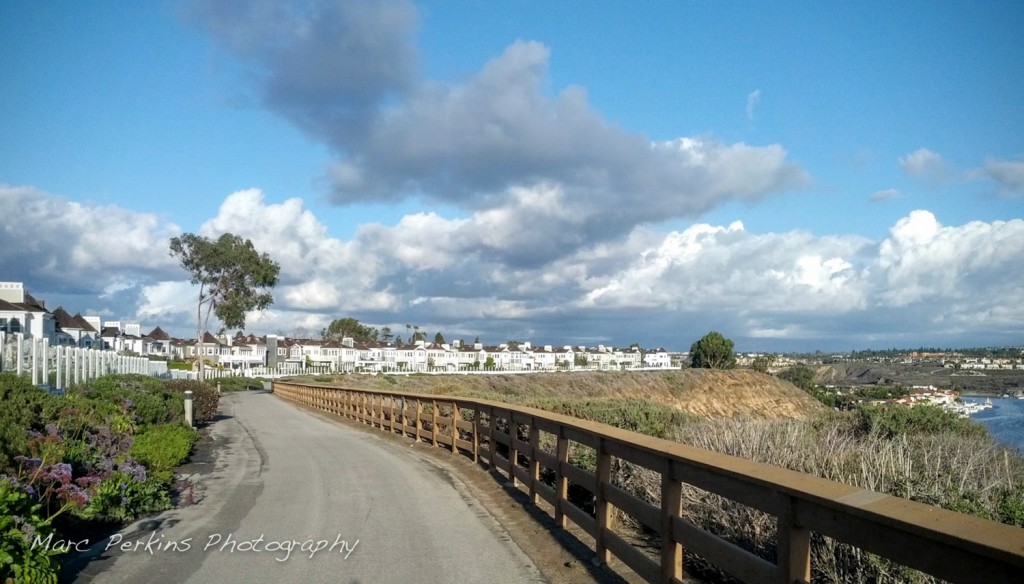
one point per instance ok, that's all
(497, 146)
(924, 282)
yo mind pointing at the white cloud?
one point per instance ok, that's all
(753, 98)
(287, 230)
(46, 237)
(1008, 174)
(926, 165)
(938, 282)
(883, 195)
(711, 268)
(924, 261)
(169, 300)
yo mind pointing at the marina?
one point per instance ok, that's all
(1004, 418)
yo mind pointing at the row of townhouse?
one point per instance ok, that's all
(990, 363)
(22, 314)
(349, 356)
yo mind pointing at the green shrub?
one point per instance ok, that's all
(204, 398)
(21, 521)
(1010, 509)
(163, 447)
(894, 421)
(125, 496)
(239, 383)
(141, 399)
(636, 415)
(22, 407)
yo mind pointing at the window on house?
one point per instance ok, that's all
(14, 326)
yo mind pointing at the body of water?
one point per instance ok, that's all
(1004, 420)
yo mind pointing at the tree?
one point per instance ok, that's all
(712, 351)
(799, 375)
(763, 363)
(233, 279)
(439, 338)
(348, 327)
(386, 335)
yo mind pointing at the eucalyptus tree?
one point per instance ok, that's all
(233, 277)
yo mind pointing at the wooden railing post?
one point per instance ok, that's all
(513, 452)
(561, 481)
(433, 421)
(671, 506)
(419, 414)
(601, 505)
(794, 546)
(455, 428)
(534, 463)
(476, 435)
(491, 445)
(402, 405)
(392, 428)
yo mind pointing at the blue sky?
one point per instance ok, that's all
(805, 176)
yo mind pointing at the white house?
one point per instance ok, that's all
(21, 313)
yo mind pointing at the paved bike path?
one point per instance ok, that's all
(290, 496)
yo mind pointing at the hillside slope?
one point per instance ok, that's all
(703, 392)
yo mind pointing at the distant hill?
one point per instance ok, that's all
(991, 382)
(703, 392)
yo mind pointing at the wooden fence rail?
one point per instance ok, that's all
(525, 443)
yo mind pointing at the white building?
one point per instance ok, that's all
(21, 313)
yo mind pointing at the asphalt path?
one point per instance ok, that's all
(289, 496)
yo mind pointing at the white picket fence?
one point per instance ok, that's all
(264, 372)
(61, 366)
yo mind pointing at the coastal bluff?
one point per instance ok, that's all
(736, 393)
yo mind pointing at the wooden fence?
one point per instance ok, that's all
(525, 443)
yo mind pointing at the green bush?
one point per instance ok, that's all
(21, 521)
(22, 407)
(636, 415)
(142, 399)
(891, 422)
(239, 383)
(204, 398)
(163, 447)
(122, 497)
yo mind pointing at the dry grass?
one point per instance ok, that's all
(702, 392)
(964, 473)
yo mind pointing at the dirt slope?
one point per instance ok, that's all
(737, 393)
